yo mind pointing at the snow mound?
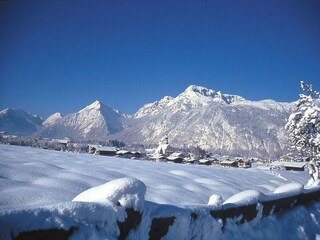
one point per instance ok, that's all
(215, 200)
(290, 188)
(246, 197)
(128, 192)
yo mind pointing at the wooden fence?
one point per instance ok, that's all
(160, 225)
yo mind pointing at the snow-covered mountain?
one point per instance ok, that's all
(152, 108)
(95, 121)
(19, 122)
(226, 124)
(51, 120)
(223, 123)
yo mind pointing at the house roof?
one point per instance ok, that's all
(204, 161)
(106, 149)
(174, 158)
(227, 162)
(190, 160)
(124, 152)
(63, 141)
(289, 164)
(177, 154)
(157, 156)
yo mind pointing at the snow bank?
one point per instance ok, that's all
(289, 189)
(246, 197)
(128, 192)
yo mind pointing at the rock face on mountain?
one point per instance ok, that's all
(225, 124)
(19, 122)
(95, 121)
(222, 123)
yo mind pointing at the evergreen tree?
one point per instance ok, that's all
(304, 129)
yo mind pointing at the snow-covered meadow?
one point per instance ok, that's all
(44, 181)
(35, 177)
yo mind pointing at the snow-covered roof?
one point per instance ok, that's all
(228, 161)
(289, 164)
(204, 161)
(106, 149)
(177, 154)
(174, 158)
(63, 141)
(94, 146)
(157, 156)
(121, 152)
(190, 160)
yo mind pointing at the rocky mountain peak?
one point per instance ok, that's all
(96, 105)
(52, 119)
(206, 94)
(199, 90)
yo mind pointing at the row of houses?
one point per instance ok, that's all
(179, 157)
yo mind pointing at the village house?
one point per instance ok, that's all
(258, 161)
(229, 163)
(205, 162)
(102, 150)
(137, 154)
(62, 143)
(125, 154)
(158, 158)
(190, 161)
(176, 157)
(243, 163)
(128, 154)
(286, 158)
(289, 166)
(215, 161)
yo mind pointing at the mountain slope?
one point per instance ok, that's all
(94, 122)
(226, 124)
(19, 122)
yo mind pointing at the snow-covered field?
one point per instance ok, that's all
(33, 177)
(43, 179)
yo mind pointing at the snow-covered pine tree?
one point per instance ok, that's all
(303, 127)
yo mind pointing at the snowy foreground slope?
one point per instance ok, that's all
(42, 183)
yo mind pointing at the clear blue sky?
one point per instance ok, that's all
(63, 55)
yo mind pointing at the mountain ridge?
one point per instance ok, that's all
(223, 123)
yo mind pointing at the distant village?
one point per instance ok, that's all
(162, 153)
(165, 153)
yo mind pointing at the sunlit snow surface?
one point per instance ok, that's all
(34, 177)
(41, 184)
